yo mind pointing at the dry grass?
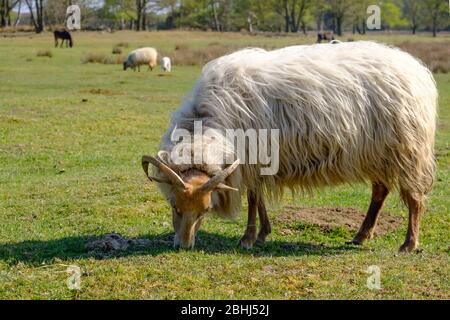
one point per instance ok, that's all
(19, 28)
(44, 53)
(117, 50)
(122, 44)
(185, 56)
(434, 54)
(102, 58)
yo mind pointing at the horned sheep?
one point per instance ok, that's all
(347, 113)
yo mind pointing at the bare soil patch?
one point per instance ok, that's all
(330, 218)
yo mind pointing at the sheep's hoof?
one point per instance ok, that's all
(359, 238)
(408, 246)
(247, 241)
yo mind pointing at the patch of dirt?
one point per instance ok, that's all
(114, 242)
(329, 218)
(164, 75)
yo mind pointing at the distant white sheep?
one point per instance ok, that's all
(139, 57)
(166, 65)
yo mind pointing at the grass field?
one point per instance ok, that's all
(71, 138)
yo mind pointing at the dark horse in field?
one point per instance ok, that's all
(329, 36)
(63, 35)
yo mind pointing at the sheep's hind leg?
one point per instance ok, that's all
(249, 237)
(379, 194)
(265, 228)
(416, 206)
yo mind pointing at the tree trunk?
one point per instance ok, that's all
(339, 26)
(32, 18)
(3, 13)
(286, 16)
(39, 16)
(16, 23)
(300, 17)
(215, 16)
(293, 17)
(435, 13)
(138, 15)
(319, 22)
(144, 17)
(304, 27)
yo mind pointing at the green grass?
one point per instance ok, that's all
(71, 138)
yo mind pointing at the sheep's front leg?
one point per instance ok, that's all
(249, 236)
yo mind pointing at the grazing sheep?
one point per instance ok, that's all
(166, 65)
(347, 113)
(142, 56)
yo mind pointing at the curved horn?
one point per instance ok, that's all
(219, 178)
(174, 178)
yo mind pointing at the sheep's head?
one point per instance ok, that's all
(125, 65)
(191, 198)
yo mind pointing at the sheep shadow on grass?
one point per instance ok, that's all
(37, 252)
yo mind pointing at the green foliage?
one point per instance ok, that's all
(119, 9)
(391, 15)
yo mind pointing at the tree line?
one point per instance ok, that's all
(234, 15)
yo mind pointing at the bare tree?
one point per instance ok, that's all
(217, 25)
(412, 12)
(141, 9)
(36, 14)
(436, 11)
(338, 9)
(19, 9)
(297, 9)
(293, 12)
(5, 9)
